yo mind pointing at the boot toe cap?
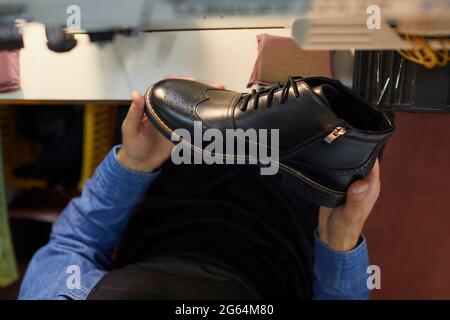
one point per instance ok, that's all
(173, 101)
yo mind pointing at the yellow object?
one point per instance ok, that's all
(8, 264)
(97, 137)
(423, 54)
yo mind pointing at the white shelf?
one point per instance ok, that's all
(87, 72)
(111, 72)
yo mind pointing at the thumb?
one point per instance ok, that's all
(356, 194)
(136, 111)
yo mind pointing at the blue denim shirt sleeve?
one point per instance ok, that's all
(83, 237)
(341, 275)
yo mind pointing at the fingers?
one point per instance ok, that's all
(374, 180)
(136, 111)
(340, 227)
(355, 210)
(357, 192)
(138, 100)
(360, 189)
(325, 211)
(362, 194)
(170, 76)
(374, 175)
(324, 214)
(218, 86)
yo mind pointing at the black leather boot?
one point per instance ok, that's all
(328, 136)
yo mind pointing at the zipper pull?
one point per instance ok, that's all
(336, 133)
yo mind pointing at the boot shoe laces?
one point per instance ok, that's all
(270, 91)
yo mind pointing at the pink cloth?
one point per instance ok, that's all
(281, 57)
(9, 71)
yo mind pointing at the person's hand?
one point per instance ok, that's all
(340, 228)
(144, 149)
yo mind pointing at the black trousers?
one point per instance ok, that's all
(230, 217)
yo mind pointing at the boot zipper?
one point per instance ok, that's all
(333, 135)
(336, 133)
